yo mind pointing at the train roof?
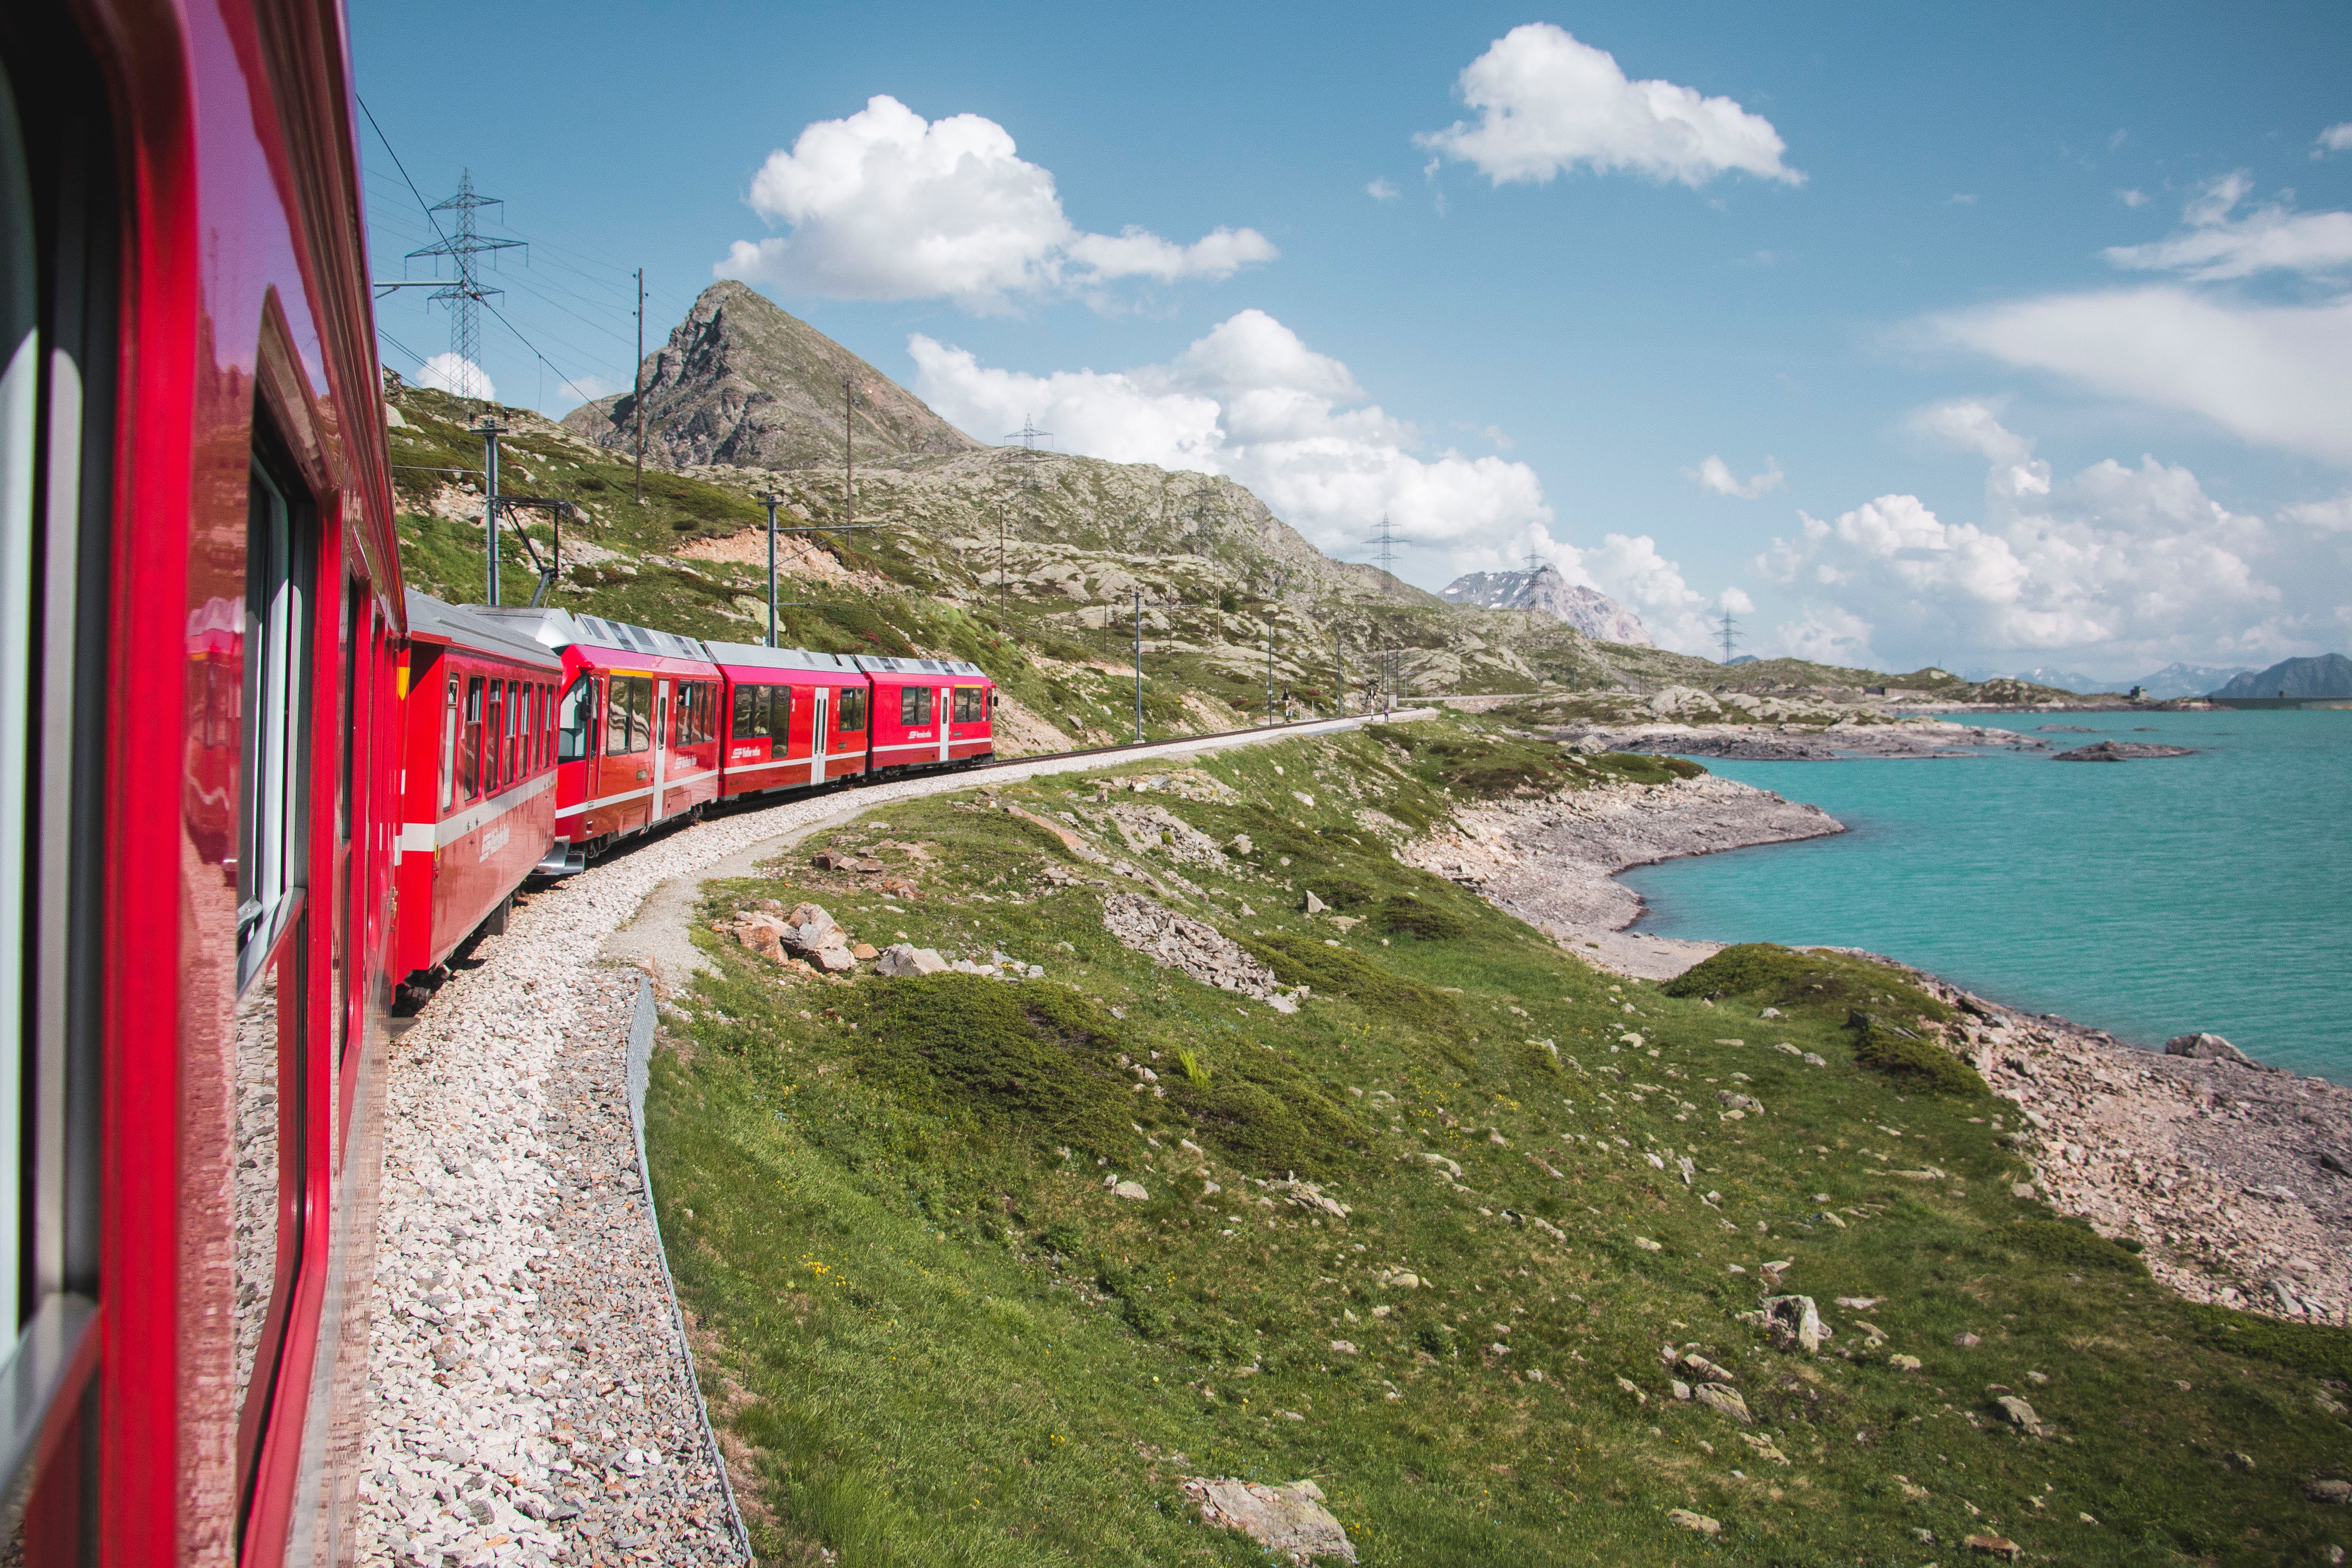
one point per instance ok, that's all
(759, 656)
(562, 628)
(473, 626)
(919, 667)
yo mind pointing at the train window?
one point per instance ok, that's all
(641, 713)
(852, 711)
(470, 742)
(573, 716)
(750, 720)
(497, 691)
(971, 704)
(914, 705)
(277, 655)
(514, 730)
(449, 744)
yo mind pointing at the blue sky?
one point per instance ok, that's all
(2020, 333)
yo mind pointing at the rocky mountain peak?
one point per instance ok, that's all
(743, 382)
(1547, 592)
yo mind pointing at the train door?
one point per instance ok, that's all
(661, 751)
(816, 734)
(946, 728)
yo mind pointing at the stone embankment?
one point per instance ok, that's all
(529, 1401)
(1551, 862)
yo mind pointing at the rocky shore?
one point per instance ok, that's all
(2235, 1179)
(1553, 862)
(1802, 742)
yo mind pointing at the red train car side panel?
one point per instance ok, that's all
(478, 763)
(794, 718)
(930, 712)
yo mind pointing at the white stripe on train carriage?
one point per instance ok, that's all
(420, 836)
(604, 800)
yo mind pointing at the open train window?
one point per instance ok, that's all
(574, 717)
(274, 822)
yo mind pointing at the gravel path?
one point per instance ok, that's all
(530, 1401)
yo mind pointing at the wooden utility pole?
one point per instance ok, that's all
(637, 397)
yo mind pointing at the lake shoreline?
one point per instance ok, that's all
(2214, 1168)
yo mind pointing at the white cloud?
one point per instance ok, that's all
(1965, 199)
(2271, 239)
(2132, 198)
(1827, 635)
(2271, 374)
(1548, 104)
(1715, 477)
(455, 373)
(2331, 516)
(885, 205)
(1382, 190)
(585, 389)
(2337, 138)
(2137, 560)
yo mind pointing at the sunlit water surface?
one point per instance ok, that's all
(2151, 897)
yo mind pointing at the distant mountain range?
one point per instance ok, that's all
(2043, 675)
(2188, 680)
(1544, 591)
(2329, 675)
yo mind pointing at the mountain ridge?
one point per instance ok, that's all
(1547, 592)
(2327, 675)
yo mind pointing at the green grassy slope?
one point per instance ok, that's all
(932, 1335)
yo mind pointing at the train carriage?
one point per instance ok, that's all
(794, 718)
(637, 727)
(930, 712)
(200, 608)
(477, 776)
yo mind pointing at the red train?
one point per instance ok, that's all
(247, 782)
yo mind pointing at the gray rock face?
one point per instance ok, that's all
(904, 960)
(1544, 591)
(1288, 1520)
(2206, 1048)
(742, 381)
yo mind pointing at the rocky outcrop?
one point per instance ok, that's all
(1201, 951)
(743, 382)
(1289, 1521)
(1546, 591)
(2121, 751)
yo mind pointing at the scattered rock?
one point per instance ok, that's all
(1967, 1341)
(1201, 951)
(1314, 906)
(1904, 1363)
(1697, 1521)
(2238, 1461)
(1134, 1191)
(902, 960)
(1723, 1401)
(1290, 1519)
(1999, 1546)
(1794, 1319)
(2020, 1414)
(2330, 1491)
(1646, 1245)
(864, 953)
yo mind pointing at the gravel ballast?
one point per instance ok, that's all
(529, 1398)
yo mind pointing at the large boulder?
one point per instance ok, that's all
(904, 960)
(2206, 1048)
(1289, 1521)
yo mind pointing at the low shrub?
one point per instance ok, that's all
(1404, 915)
(1921, 1065)
(1785, 977)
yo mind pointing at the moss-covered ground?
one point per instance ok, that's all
(934, 1333)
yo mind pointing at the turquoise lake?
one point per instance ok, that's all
(2151, 899)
